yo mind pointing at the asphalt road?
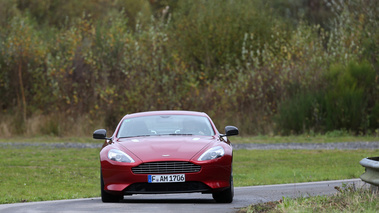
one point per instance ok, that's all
(196, 202)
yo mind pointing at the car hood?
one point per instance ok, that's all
(158, 148)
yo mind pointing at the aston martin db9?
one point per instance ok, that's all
(166, 152)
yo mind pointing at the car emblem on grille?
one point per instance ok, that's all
(165, 155)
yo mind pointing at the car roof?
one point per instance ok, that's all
(166, 112)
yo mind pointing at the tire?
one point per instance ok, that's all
(107, 197)
(225, 196)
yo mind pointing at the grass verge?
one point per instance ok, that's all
(262, 167)
(348, 199)
(41, 173)
(44, 173)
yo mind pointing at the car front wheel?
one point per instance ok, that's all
(225, 196)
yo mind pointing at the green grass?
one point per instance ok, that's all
(42, 173)
(258, 167)
(348, 199)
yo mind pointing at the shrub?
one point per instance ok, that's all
(345, 102)
(299, 114)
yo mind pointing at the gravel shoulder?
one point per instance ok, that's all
(310, 146)
(248, 146)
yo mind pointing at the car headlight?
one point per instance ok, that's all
(212, 153)
(120, 156)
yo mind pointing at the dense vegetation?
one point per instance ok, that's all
(278, 67)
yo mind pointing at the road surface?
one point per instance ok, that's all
(196, 202)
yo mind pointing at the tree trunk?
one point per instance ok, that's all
(22, 92)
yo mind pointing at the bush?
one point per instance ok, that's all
(344, 102)
(300, 114)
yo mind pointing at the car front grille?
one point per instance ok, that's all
(166, 167)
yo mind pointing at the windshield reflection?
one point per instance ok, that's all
(173, 125)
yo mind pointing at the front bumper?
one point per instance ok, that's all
(213, 176)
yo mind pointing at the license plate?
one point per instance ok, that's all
(166, 178)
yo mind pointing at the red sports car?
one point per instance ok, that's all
(166, 152)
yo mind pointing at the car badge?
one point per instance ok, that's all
(165, 155)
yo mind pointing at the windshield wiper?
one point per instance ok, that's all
(179, 134)
(134, 136)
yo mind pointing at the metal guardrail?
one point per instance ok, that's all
(371, 174)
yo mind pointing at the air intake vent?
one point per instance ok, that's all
(166, 167)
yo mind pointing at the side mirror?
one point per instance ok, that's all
(100, 134)
(231, 130)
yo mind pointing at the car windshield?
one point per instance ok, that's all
(165, 125)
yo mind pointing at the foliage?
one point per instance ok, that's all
(347, 101)
(236, 60)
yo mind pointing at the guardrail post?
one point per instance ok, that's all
(371, 174)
